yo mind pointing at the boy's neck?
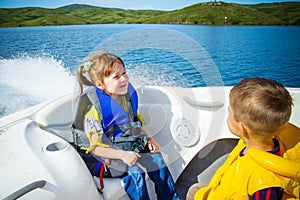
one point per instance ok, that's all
(266, 144)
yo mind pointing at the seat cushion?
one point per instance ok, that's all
(207, 174)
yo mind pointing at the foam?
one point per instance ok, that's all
(26, 81)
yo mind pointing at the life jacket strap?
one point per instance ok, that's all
(103, 170)
(76, 135)
(130, 132)
(126, 139)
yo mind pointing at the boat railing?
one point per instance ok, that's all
(26, 189)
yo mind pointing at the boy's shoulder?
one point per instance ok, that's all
(288, 137)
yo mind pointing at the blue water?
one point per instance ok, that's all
(39, 63)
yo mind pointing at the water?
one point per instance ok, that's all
(39, 63)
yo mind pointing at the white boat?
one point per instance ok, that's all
(37, 161)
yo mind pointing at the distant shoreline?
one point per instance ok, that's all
(207, 13)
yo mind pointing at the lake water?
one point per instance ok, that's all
(39, 63)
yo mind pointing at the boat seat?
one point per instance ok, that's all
(113, 189)
(56, 117)
(205, 176)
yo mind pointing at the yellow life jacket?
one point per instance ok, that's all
(240, 177)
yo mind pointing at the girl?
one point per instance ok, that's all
(115, 131)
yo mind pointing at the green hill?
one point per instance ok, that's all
(211, 13)
(215, 14)
(72, 14)
(288, 11)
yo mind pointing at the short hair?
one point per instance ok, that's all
(264, 105)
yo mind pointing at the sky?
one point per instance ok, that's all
(124, 4)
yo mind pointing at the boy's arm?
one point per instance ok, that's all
(273, 193)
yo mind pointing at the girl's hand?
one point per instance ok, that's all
(130, 157)
(153, 145)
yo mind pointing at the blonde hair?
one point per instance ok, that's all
(264, 105)
(100, 65)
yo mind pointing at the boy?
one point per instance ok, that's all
(259, 112)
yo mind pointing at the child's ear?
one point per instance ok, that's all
(245, 130)
(100, 85)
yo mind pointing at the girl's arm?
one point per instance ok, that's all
(154, 147)
(128, 157)
(93, 128)
(152, 144)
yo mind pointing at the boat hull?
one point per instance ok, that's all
(37, 161)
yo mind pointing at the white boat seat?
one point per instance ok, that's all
(205, 176)
(112, 189)
(56, 117)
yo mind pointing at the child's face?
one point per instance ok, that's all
(117, 82)
(232, 124)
